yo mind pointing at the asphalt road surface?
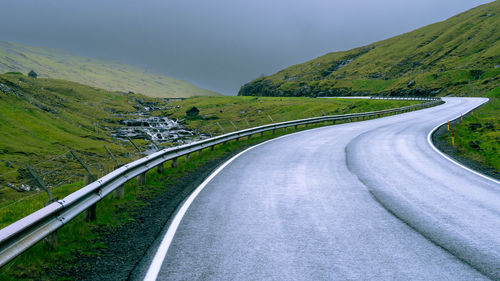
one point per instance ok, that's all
(369, 200)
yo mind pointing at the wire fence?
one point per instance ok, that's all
(61, 170)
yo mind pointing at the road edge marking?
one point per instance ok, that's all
(161, 253)
(429, 140)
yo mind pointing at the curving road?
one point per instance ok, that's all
(368, 200)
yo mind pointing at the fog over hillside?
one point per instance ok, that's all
(218, 44)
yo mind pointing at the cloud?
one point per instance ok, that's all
(218, 44)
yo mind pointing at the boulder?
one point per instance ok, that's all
(475, 126)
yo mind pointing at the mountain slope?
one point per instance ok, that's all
(458, 56)
(52, 63)
(44, 118)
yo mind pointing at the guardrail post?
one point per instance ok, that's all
(187, 157)
(307, 125)
(199, 152)
(174, 163)
(261, 134)
(250, 136)
(295, 127)
(211, 148)
(91, 212)
(274, 131)
(285, 129)
(141, 179)
(159, 169)
(119, 192)
(51, 239)
(333, 122)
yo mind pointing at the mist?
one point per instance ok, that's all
(218, 44)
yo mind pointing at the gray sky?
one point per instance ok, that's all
(217, 44)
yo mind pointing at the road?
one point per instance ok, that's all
(369, 200)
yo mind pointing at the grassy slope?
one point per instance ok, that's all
(51, 63)
(457, 56)
(482, 144)
(247, 112)
(50, 118)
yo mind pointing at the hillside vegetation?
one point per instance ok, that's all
(115, 76)
(226, 114)
(459, 56)
(41, 120)
(477, 137)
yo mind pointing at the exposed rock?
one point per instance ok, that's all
(475, 145)
(8, 90)
(336, 66)
(475, 126)
(22, 188)
(376, 76)
(192, 112)
(411, 83)
(489, 126)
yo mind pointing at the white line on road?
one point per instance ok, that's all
(429, 140)
(157, 262)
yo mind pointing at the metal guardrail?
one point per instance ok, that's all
(402, 98)
(24, 233)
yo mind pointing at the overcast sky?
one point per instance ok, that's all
(216, 44)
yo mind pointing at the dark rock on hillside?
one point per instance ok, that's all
(192, 112)
(475, 126)
(8, 90)
(475, 145)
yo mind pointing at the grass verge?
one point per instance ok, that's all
(226, 114)
(477, 137)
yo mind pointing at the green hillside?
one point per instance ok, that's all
(41, 120)
(115, 76)
(459, 56)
